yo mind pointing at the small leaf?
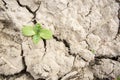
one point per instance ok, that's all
(45, 34)
(118, 78)
(28, 31)
(36, 39)
(37, 28)
(93, 51)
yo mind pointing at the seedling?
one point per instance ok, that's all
(118, 78)
(37, 32)
(93, 51)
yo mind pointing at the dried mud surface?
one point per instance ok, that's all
(85, 44)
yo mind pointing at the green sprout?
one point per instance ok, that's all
(118, 78)
(37, 32)
(93, 51)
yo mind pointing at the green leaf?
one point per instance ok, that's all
(37, 28)
(36, 39)
(118, 78)
(45, 34)
(28, 31)
(93, 51)
(37, 32)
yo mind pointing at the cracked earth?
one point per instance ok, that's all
(85, 44)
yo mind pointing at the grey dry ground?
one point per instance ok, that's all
(85, 45)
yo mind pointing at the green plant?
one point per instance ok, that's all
(118, 78)
(37, 32)
(93, 51)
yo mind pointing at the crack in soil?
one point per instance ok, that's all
(17, 75)
(5, 4)
(44, 41)
(114, 58)
(45, 44)
(98, 59)
(90, 11)
(34, 16)
(32, 12)
(67, 45)
(96, 78)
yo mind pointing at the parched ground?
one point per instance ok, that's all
(85, 44)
